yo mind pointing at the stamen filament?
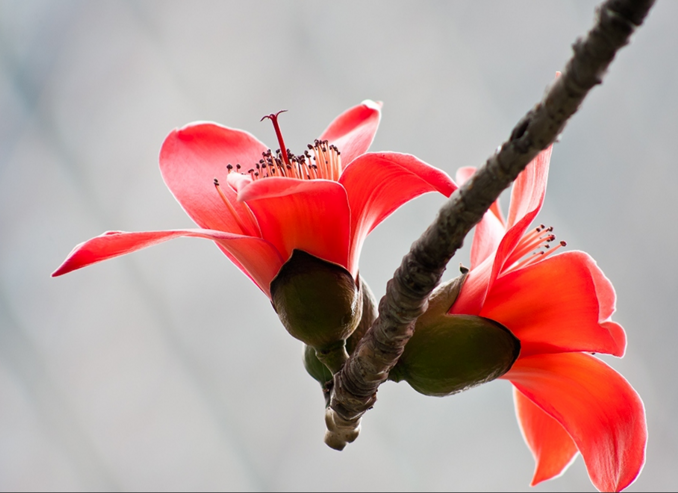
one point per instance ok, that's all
(525, 248)
(243, 228)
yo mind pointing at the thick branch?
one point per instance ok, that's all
(407, 293)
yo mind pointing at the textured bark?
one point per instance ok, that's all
(406, 298)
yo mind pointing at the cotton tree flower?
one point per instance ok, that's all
(558, 308)
(261, 206)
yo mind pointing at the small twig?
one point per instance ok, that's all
(406, 298)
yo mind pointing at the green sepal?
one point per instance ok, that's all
(442, 299)
(451, 353)
(369, 315)
(315, 367)
(318, 302)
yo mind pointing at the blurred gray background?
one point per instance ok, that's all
(168, 369)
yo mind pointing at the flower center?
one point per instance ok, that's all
(321, 161)
(534, 247)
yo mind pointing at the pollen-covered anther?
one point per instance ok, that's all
(533, 247)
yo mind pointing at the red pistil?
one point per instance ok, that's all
(274, 119)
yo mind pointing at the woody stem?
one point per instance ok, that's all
(406, 298)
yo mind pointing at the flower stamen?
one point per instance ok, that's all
(538, 243)
(323, 162)
(243, 227)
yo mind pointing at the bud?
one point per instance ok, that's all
(315, 367)
(318, 302)
(451, 353)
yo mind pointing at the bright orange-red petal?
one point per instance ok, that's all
(527, 198)
(486, 238)
(529, 188)
(378, 183)
(484, 273)
(551, 446)
(312, 216)
(473, 292)
(597, 407)
(353, 131)
(192, 157)
(257, 258)
(552, 306)
(491, 228)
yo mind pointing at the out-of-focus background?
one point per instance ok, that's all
(168, 369)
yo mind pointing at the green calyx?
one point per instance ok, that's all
(319, 303)
(451, 353)
(315, 367)
(454, 353)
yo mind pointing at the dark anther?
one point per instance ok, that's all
(216, 182)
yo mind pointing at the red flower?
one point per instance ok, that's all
(259, 206)
(559, 307)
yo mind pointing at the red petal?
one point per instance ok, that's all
(551, 446)
(192, 157)
(486, 238)
(491, 228)
(312, 216)
(353, 131)
(473, 292)
(484, 273)
(255, 257)
(527, 197)
(378, 183)
(528, 190)
(552, 306)
(597, 407)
